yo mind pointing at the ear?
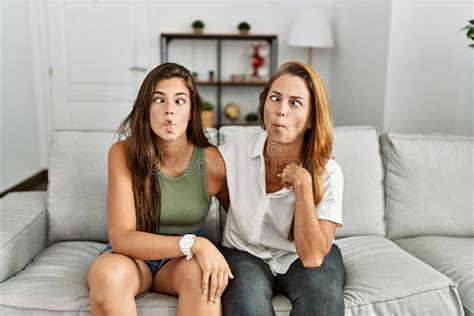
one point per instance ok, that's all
(310, 125)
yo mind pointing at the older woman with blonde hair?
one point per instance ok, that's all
(285, 208)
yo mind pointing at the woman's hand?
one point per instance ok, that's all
(215, 270)
(295, 176)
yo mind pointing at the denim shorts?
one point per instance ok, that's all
(154, 265)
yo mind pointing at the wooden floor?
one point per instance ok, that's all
(37, 182)
(42, 186)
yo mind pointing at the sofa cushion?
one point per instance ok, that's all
(357, 151)
(452, 256)
(55, 284)
(22, 230)
(77, 187)
(382, 279)
(429, 185)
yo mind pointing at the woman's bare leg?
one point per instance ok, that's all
(114, 280)
(183, 278)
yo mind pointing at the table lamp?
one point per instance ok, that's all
(311, 28)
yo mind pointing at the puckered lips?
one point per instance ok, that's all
(169, 125)
(277, 124)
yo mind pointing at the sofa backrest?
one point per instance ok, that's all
(357, 151)
(77, 187)
(429, 184)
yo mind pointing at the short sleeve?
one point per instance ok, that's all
(330, 207)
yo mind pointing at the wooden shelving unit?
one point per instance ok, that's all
(272, 40)
(232, 83)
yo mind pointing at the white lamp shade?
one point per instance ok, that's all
(311, 28)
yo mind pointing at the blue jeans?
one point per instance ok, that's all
(312, 291)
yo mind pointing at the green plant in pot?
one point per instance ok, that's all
(211, 75)
(470, 32)
(207, 114)
(244, 28)
(198, 26)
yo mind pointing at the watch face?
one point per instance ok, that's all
(186, 241)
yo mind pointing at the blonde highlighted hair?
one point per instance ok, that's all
(318, 140)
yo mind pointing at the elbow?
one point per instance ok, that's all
(312, 259)
(312, 262)
(119, 244)
(116, 246)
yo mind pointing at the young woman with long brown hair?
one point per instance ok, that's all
(285, 208)
(160, 181)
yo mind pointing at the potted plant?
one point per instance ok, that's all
(244, 28)
(207, 114)
(198, 26)
(251, 118)
(211, 76)
(470, 32)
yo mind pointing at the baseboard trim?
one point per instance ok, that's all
(29, 183)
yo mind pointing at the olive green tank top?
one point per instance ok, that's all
(185, 199)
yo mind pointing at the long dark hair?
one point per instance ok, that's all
(143, 154)
(318, 140)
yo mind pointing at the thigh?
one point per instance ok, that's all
(175, 273)
(251, 290)
(318, 288)
(119, 270)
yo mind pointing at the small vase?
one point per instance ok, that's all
(197, 30)
(207, 118)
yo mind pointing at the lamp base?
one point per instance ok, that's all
(310, 55)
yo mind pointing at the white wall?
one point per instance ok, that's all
(429, 78)
(358, 68)
(20, 157)
(2, 115)
(399, 65)
(265, 17)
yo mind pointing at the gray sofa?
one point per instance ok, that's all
(407, 236)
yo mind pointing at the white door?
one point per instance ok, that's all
(100, 53)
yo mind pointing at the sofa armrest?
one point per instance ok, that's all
(22, 230)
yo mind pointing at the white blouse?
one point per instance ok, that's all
(258, 222)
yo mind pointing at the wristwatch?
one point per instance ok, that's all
(185, 243)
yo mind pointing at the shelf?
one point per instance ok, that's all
(214, 36)
(240, 124)
(232, 83)
(219, 83)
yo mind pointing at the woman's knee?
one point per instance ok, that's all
(249, 293)
(319, 299)
(112, 275)
(189, 276)
(250, 289)
(244, 296)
